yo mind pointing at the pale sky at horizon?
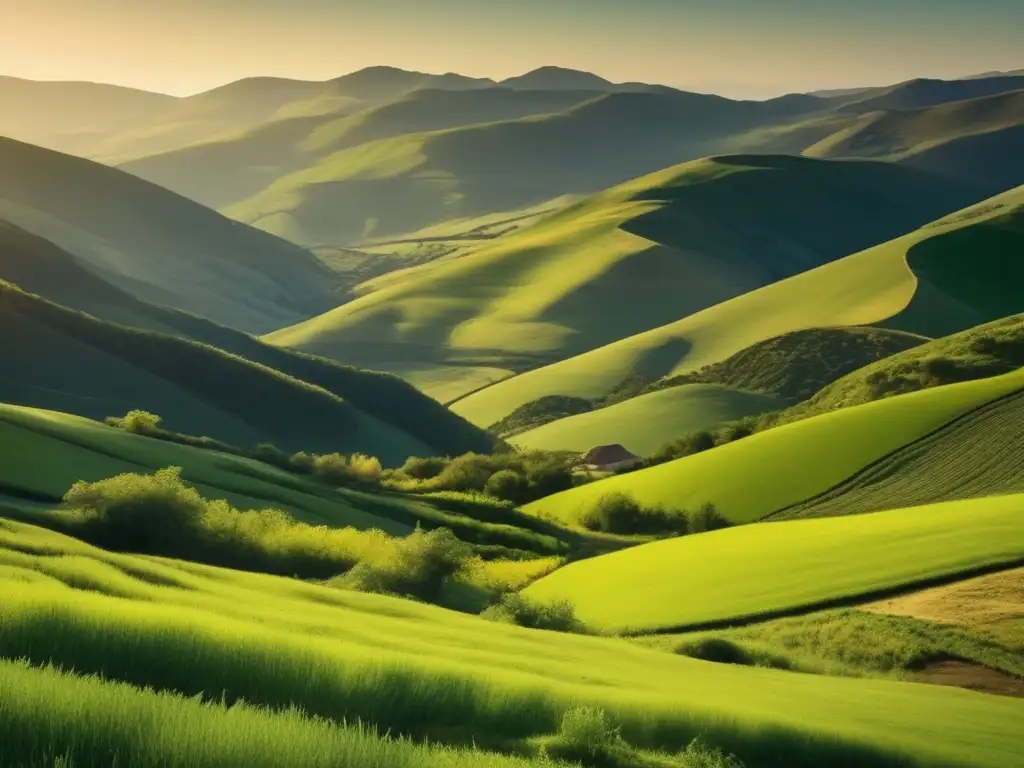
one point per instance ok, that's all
(741, 48)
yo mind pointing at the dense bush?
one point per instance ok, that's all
(341, 470)
(423, 469)
(516, 477)
(515, 608)
(706, 519)
(416, 566)
(620, 513)
(508, 485)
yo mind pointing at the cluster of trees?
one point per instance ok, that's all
(516, 478)
(620, 513)
(705, 440)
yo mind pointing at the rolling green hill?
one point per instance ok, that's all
(953, 274)
(751, 478)
(406, 183)
(69, 116)
(660, 247)
(770, 569)
(980, 454)
(331, 654)
(65, 360)
(158, 246)
(987, 350)
(234, 168)
(978, 140)
(787, 369)
(38, 266)
(923, 92)
(645, 423)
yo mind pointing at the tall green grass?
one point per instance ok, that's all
(420, 671)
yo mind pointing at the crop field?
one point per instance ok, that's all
(876, 286)
(758, 475)
(768, 569)
(643, 424)
(980, 454)
(302, 651)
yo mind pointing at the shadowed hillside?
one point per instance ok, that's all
(158, 246)
(224, 172)
(980, 140)
(945, 277)
(660, 247)
(915, 94)
(63, 360)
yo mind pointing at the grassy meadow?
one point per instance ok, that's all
(763, 570)
(276, 643)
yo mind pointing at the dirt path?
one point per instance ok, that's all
(964, 674)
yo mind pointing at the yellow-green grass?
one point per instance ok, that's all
(991, 605)
(413, 669)
(937, 280)
(758, 475)
(765, 570)
(542, 294)
(644, 424)
(50, 717)
(979, 454)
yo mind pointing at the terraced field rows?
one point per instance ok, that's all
(979, 454)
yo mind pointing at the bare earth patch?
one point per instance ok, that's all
(964, 674)
(991, 605)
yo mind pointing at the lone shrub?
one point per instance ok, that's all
(507, 485)
(586, 736)
(341, 470)
(515, 608)
(141, 422)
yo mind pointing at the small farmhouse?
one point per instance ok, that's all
(609, 458)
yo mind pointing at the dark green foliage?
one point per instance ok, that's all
(707, 519)
(796, 365)
(423, 469)
(416, 566)
(507, 484)
(695, 442)
(537, 474)
(541, 411)
(515, 608)
(620, 513)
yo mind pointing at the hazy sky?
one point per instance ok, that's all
(745, 48)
